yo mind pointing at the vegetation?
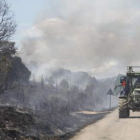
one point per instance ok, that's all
(7, 22)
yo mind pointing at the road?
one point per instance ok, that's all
(112, 128)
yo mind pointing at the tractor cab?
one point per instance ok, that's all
(130, 82)
(128, 88)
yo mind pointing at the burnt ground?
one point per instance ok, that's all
(20, 124)
(15, 125)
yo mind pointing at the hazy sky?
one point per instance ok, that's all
(101, 37)
(25, 12)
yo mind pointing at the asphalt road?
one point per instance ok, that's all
(112, 128)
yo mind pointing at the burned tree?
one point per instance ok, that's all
(7, 23)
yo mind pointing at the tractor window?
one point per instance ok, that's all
(136, 82)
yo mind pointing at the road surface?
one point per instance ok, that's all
(112, 128)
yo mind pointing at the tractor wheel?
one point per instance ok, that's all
(123, 108)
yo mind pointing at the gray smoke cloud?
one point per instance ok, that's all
(100, 37)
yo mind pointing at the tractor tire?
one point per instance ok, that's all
(123, 108)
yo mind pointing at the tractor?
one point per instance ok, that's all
(128, 88)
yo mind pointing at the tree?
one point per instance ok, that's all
(7, 23)
(64, 84)
(42, 82)
(7, 49)
(89, 89)
(74, 89)
(12, 71)
(51, 81)
(18, 72)
(5, 65)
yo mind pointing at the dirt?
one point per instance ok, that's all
(112, 128)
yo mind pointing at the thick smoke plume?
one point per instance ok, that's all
(100, 37)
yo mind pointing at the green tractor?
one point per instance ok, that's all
(128, 88)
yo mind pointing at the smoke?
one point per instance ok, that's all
(100, 37)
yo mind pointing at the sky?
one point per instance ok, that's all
(25, 13)
(101, 37)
